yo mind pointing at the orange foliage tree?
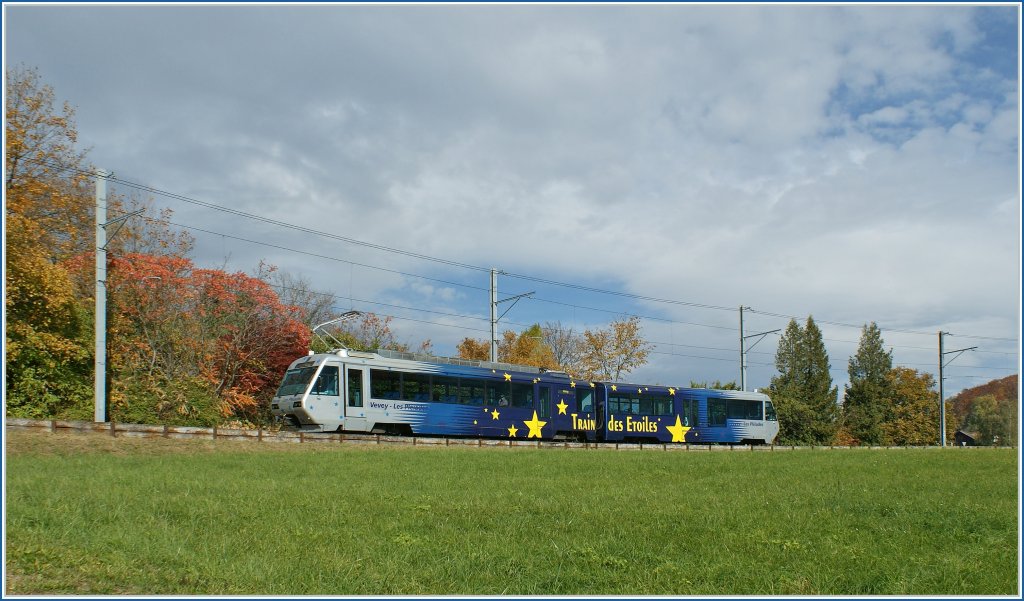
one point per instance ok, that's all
(201, 344)
(525, 348)
(48, 213)
(610, 353)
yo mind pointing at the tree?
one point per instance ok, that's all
(913, 417)
(803, 394)
(610, 353)
(525, 348)
(48, 189)
(48, 214)
(297, 291)
(474, 350)
(148, 233)
(960, 406)
(566, 346)
(716, 385)
(368, 333)
(993, 420)
(193, 346)
(868, 396)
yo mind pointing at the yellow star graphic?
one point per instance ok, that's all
(572, 384)
(639, 390)
(614, 388)
(495, 414)
(512, 431)
(592, 385)
(561, 407)
(535, 426)
(672, 391)
(508, 377)
(678, 431)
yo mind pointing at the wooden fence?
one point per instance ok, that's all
(295, 437)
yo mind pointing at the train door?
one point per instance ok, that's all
(324, 401)
(543, 401)
(355, 409)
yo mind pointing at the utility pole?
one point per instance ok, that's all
(743, 356)
(743, 348)
(100, 366)
(100, 385)
(942, 395)
(494, 315)
(494, 311)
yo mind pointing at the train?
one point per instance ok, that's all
(389, 392)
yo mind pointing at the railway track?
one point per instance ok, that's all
(352, 438)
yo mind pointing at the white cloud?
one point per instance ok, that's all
(857, 162)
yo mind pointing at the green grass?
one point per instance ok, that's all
(91, 514)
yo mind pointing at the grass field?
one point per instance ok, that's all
(97, 515)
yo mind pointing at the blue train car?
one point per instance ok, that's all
(692, 415)
(398, 393)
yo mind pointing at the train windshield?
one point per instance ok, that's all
(296, 381)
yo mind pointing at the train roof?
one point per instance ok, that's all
(425, 358)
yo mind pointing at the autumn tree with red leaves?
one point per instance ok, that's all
(205, 344)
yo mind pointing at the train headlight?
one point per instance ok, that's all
(296, 404)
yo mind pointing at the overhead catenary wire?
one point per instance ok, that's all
(304, 229)
(480, 318)
(193, 228)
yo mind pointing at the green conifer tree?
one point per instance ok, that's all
(868, 401)
(803, 394)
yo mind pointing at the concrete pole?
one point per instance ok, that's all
(743, 356)
(942, 397)
(100, 386)
(494, 315)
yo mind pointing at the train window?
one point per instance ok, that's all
(716, 412)
(543, 400)
(688, 408)
(624, 403)
(355, 387)
(498, 393)
(743, 409)
(327, 382)
(471, 392)
(415, 387)
(769, 412)
(584, 400)
(296, 381)
(385, 384)
(755, 410)
(445, 390)
(522, 395)
(655, 404)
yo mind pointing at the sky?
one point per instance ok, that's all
(856, 163)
